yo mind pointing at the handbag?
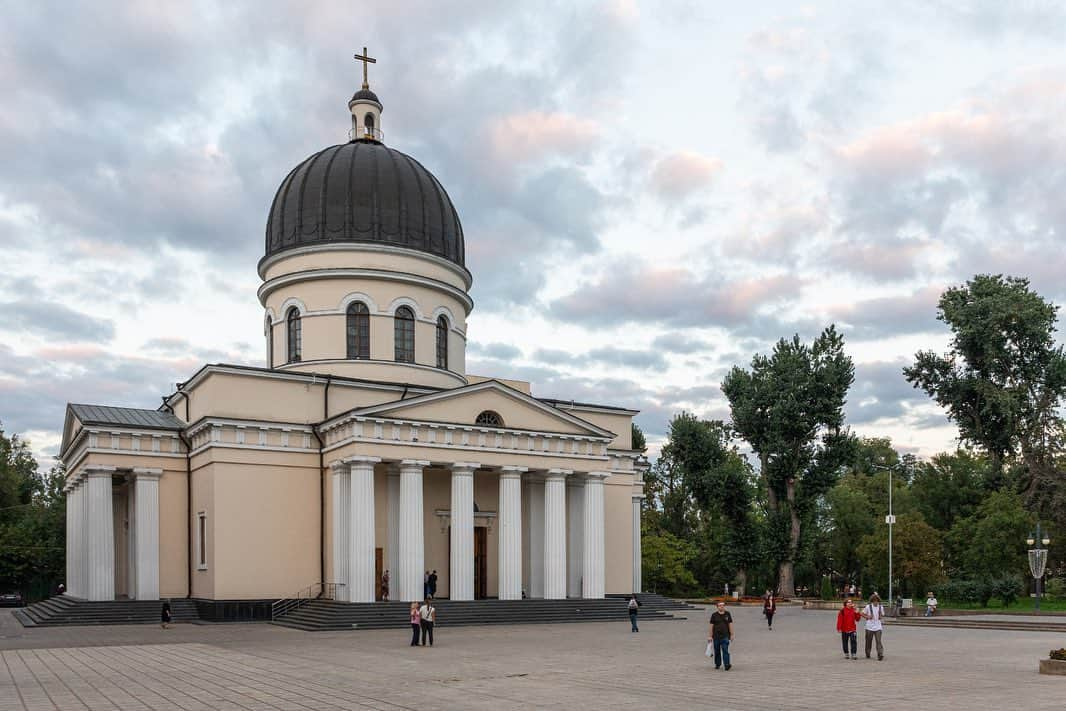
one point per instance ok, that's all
(709, 652)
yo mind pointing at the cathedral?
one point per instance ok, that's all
(363, 447)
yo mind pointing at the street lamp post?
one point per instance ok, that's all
(890, 520)
(1037, 558)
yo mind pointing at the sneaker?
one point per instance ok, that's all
(718, 667)
(728, 667)
(880, 659)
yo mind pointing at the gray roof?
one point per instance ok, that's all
(126, 417)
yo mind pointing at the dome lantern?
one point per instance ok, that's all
(365, 108)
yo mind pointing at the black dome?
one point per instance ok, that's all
(363, 192)
(366, 94)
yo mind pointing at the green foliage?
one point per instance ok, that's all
(827, 592)
(1056, 588)
(790, 408)
(664, 562)
(638, 443)
(951, 486)
(916, 553)
(990, 542)
(979, 591)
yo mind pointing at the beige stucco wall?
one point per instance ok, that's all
(466, 409)
(618, 542)
(354, 257)
(619, 424)
(203, 499)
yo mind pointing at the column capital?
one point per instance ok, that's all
(147, 472)
(361, 459)
(413, 464)
(465, 467)
(559, 473)
(639, 497)
(596, 476)
(510, 472)
(575, 481)
(339, 466)
(98, 470)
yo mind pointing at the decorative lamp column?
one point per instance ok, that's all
(361, 578)
(1038, 558)
(146, 529)
(535, 495)
(510, 542)
(392, 479)
(101, 535)
(593, 558)
(461, 575)
(555, 534)
(575, 504)
(637, 584)
(342, 518)
(412, 538)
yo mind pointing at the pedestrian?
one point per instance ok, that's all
(428, 615)
(634, 604)
(385, 586)
(425, 586)
(433, 585)
(416, 624)
(165, 615)
(874, 613)
(720, 635)
(60, 589)
(931, 604)
(769, 607)
(846, 620)
(851, 590)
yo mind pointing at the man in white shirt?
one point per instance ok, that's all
(428, 614)
(874, 613)
(930, 605)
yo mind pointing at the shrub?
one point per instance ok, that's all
(1007, 589)
(1059, 654)
(827, 589)
(1056, 588)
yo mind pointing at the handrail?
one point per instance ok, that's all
(366, 132)
(314, 591)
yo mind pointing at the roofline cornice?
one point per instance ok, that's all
(268, 287)
(272, 259)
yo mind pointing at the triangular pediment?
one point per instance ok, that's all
(461, 406)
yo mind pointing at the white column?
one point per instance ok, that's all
(637, 555)
(575, 528)
(342, 518)
(535, 494)
(101, 535)
(412, 538)
(461, 572)
(393, 557)
(83, 537)
(361, 578)
(146, 532)
(510, 527)
(131, 537)
(555, 534)
(594, 562)
(71, 563)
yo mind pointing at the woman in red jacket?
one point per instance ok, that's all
(846, 627)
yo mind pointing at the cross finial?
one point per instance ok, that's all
(365, 59)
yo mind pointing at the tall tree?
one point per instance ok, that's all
(1004, 379)
(790, 409)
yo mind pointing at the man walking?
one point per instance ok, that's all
(873, 613)
(428, 613)
(721, 634)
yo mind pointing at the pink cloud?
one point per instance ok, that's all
(677, 176)
(522, 137)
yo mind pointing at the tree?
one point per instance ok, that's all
(916, 553)
(1004, 379)
(719, 481)
(638, 442)
(990, 543)
(790, 408)
(951, 486)
(664, 562)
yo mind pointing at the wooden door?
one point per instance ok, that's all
(481, 563)
(378, 562)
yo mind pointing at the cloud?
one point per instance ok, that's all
(53, 320)
(679, 343)
(677, 176)
(518, 138)
(499, 351)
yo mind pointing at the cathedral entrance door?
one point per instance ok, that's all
(481, 563)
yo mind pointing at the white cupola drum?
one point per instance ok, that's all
(365, 107)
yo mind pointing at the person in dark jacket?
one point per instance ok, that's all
(634, 604)
(769, 607)
(165, 615)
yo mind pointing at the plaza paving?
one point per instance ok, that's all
(587, 666)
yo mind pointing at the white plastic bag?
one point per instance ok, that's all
(710, 650)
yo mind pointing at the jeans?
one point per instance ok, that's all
(872, 635)
(633, 621)
(721, 652)
(415, 628)
(427, 629)
(769, 619)
(845, 637)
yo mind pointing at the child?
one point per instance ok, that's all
(846, 627)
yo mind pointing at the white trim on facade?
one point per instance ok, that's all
(273, 259)
(365, 299)
(269, 287)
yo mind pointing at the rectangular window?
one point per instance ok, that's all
(201, 540)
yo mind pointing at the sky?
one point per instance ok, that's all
(651, 193)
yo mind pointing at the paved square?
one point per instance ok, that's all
(587, 666)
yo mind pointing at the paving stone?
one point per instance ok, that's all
(586, 666)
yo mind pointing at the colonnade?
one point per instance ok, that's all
(91, 534)
(552, 494)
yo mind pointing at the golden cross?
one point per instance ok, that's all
(365, 58)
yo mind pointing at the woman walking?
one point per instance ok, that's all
(165, 615)
(634, 604)
(769, 607)
(846, 620)
(874, 613)
(416, 624)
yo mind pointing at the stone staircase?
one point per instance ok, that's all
(64, 610)
(974, 622)
(324, 615)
